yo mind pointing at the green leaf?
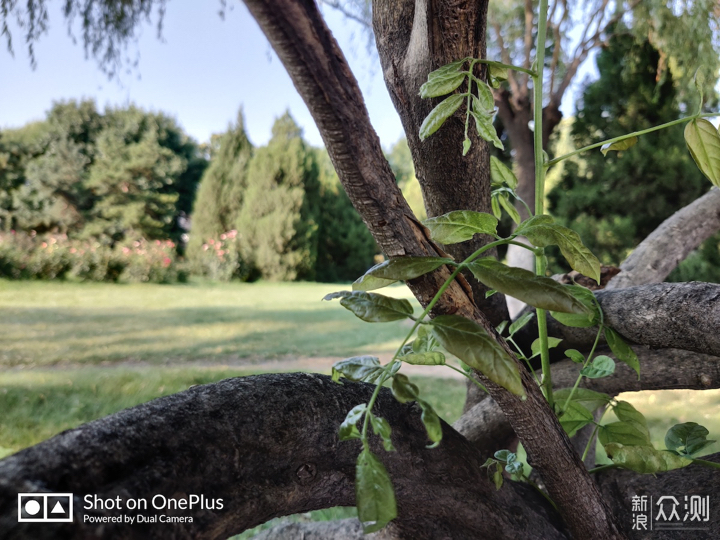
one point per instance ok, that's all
(587, 298)
(543, 232)
(484, 102)
(506, 456)
(619, 145)
(369, 282)
(687, 439)
(590, 399)
(440, 84)
(486, 129)
(348, 429)
(575, 417)
(406, 268)
(472, 344)
(374, 493)
(644, 459)
(504, 200)
(520, 323)
(431, 421)
(624, 433)
(622, 350)
(703, 141)
(497, 74)
(498, 478)
(627, 413)
(372, 307)
(538, 291)
(495, 206)
(460, 225)
(601, 366)
(575, 355)
(439, 115)
(467, 143)
(358, 368)
(403, 389)
(515, 469)
(382, 428)
(424, 359)
(552, 343)
(501, 174)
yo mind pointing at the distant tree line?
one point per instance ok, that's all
(123, 175)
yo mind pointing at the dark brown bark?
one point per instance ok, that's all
(267, 446)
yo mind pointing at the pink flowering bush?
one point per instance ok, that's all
(221, 258)
(51, 256)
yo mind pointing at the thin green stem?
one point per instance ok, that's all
(587, 361)
(622, 137)
(592, 437)
(707, 463)
(602, 468)
(540, 188)
(477, 383)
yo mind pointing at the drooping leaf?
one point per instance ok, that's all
(467, 143)
(460, 225)
(535, 347)
(542, 231)
(486, 129)
(538, 291)
(687, 439)
(575, 355)
(439, 115)
(590, 399)
(622, 350)
(619, 145)
(520, 323)
(495, 206)
(382, 428)
(373, 307)
(601, 366)
(644, 459)
(587, 298)
(348, 429)
(432, 358)
(335, 295)
(441, 82)
(374, 493)
(501, 174)
(484, 102)
(504, 200)
(575, 417)
(472, 344)
(497, 73)
(627, 413)
(369, 282)
(624, 433)
(703, 141)
(405, 268)
(431, 421)
(403, 389)
(358, 368)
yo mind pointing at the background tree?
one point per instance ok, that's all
(595, 191)
(288, 449)
(280, 212)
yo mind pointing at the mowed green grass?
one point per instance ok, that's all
(60, 323)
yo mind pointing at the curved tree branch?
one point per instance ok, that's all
(267, 446)
(658, 255)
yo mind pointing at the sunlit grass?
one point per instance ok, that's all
(56, 323)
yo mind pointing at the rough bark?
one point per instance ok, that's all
(266, 445)
(487, 428)
(665, 315)
(670, 243)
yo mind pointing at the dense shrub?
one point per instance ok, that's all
(51, 256)
(220, 258)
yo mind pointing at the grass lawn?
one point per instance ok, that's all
(60, 323)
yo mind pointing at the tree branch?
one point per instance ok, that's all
(267, 446)
(669, 244)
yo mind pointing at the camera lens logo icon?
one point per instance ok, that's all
(45, 507)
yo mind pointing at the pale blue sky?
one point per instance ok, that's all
(201, 73)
